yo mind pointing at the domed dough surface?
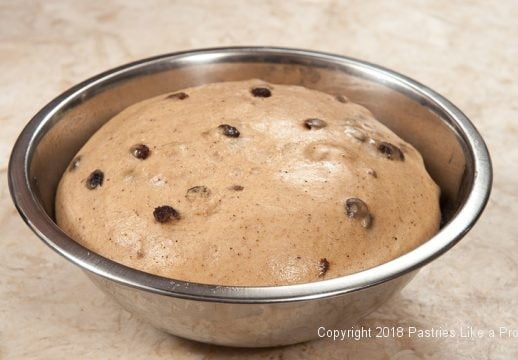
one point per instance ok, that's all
(267, 206)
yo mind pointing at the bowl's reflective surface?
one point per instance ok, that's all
(454, 154)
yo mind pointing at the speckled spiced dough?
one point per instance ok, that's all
(248, 183)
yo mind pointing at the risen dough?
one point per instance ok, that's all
(298, 186)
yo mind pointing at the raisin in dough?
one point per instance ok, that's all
(248, 183)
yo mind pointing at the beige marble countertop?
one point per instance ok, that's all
(466, 50)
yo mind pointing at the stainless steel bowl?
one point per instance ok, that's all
(454, 152)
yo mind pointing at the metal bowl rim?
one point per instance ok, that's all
(45, 228)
